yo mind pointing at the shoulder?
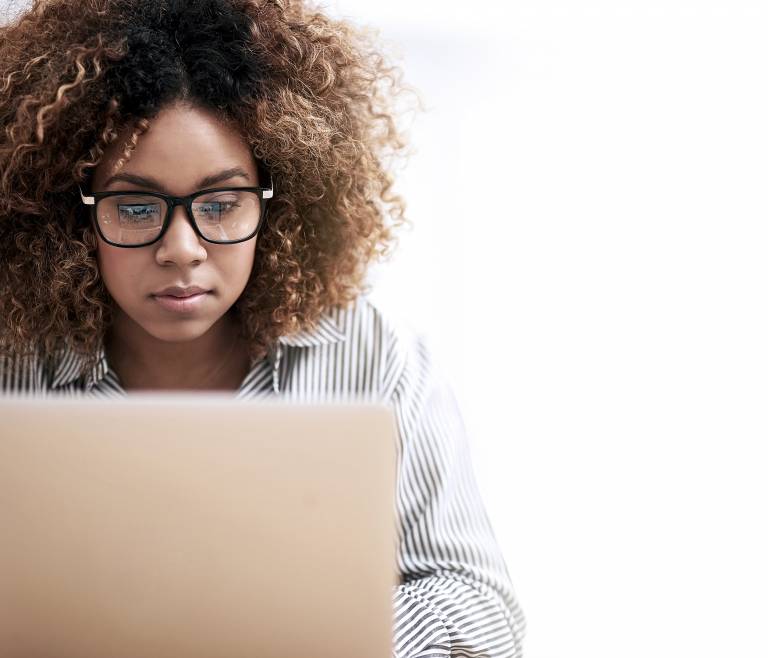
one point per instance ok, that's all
(39, 373)
(403, 352)
(412, 381)
(429, 421)
(23, 374)
(356, 349)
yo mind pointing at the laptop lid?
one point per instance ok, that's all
(194, 525)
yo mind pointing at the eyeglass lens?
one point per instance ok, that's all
(222, 215)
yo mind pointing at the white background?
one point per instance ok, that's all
(589, 195)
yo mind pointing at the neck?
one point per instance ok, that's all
(217, 360)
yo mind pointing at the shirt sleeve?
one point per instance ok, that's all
(455, 597)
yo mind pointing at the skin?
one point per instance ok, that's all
(150, 347)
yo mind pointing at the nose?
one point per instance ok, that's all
(180, 245)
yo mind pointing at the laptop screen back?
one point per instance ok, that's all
(193, 526)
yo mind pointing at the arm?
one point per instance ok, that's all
(456, 598)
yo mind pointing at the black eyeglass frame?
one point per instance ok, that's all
(264, 194)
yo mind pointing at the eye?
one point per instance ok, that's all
(214, 207)
(138, 213)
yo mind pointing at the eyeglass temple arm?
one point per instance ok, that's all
(269, 191)
(87, 200)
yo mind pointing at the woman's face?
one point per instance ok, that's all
(182, 147)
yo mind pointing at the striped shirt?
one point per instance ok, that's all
(455, 597)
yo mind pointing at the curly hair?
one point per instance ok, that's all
(313, 97)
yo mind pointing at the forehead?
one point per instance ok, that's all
(181, 145)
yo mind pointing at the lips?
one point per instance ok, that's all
(180, 299)
(180, 292)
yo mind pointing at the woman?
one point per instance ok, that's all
(191, 195)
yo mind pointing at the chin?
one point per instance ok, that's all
(178, 331)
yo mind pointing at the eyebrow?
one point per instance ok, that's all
(150, 183)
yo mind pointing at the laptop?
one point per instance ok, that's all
(196, 526)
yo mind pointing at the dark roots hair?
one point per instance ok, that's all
(312, 96)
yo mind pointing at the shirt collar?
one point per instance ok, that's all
(69, 363)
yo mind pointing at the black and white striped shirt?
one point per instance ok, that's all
(455, 596)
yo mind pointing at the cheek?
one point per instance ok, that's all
(120, 270)
(236, 263)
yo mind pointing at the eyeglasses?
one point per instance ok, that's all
(137, 219)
